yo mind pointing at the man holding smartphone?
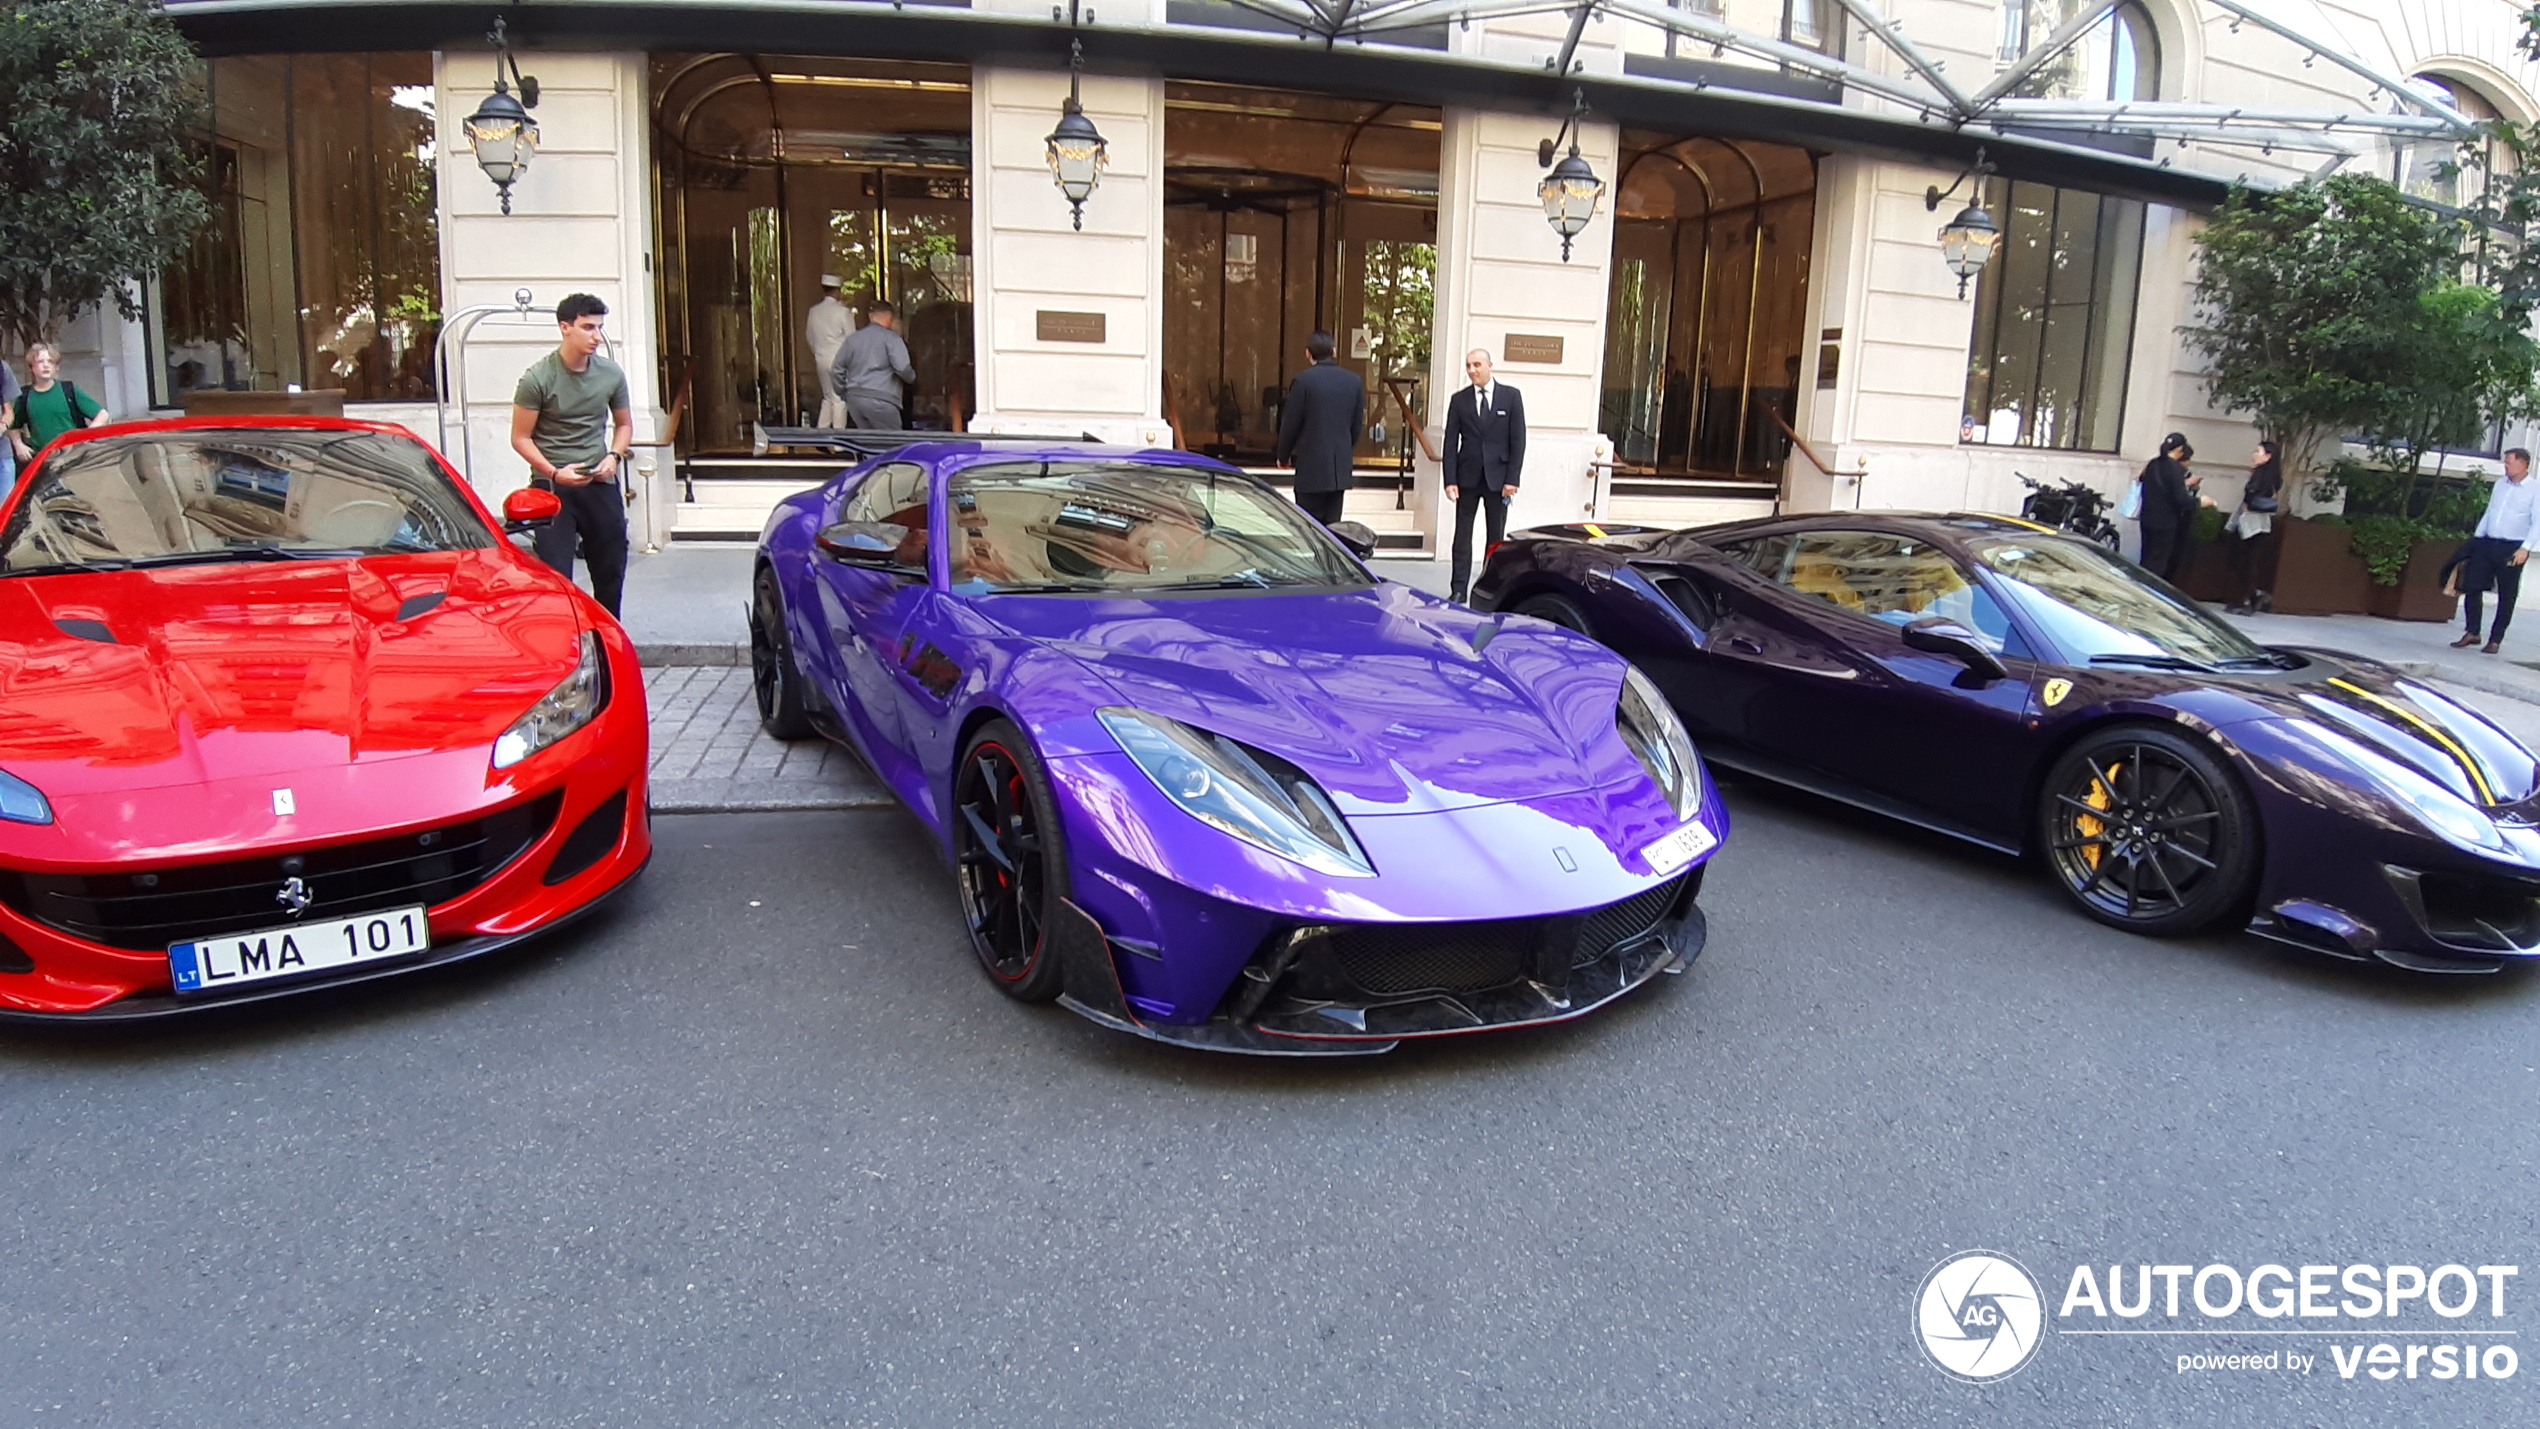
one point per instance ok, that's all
(574, 423)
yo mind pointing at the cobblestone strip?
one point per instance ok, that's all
(710, 754)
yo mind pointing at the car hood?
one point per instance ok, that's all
(1395, 702)
(2380, 707)
(133, 680)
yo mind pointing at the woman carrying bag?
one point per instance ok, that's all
(2254, 525)
(2169, 505)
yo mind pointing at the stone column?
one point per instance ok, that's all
(581, 221)
(1502, 285)
(1070, 335)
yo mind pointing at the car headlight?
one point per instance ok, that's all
(2440, 809)
(1658, 740)
(562, 710)
(21, 802)
(1255, 796)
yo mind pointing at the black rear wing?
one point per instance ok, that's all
(867, 442)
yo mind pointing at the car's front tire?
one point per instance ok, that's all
(774, 677)
(2146, 830)
(1010, 857)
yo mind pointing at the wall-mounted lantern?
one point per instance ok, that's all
(1077, 150)
(501, 132)
(1968, 241)
(1572, 192)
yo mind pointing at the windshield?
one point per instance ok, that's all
(1084, 525)
(2095, 607)
(235, 493)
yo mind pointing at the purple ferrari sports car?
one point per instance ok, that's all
(1201, 777)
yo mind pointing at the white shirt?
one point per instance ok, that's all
(1481, 398)
(827, 326)
(2513, 512)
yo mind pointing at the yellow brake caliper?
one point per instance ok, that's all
(2089, 827)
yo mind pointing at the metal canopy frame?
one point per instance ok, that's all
(2416, 115)
(1917, 113)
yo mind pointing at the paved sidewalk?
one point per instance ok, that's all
(711, 755)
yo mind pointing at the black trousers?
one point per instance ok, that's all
(1323, 506)
(594, 518)
(1469, 500)
(2490, 556)
(2162, 547)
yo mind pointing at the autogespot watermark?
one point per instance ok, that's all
(1980, 1317)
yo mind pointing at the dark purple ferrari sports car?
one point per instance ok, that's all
(2025, 690)
(1201, 777)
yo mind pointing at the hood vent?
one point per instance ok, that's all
(415, 605)
(84, 629)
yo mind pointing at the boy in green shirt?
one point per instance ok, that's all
(573, 422)
(48, 408)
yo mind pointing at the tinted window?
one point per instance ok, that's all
(896, 495)
(237, 494)
(1896, 579)
(2095, 606)
(1132, 526)
(1763, 555)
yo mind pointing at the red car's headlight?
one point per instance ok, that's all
(569, 706)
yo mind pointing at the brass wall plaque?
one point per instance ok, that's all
(1051, 326)
(1523, 347)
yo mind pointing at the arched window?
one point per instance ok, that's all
(2120, 58)
(2435, 170)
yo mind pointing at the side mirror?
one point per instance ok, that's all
(1355, 535)
(1937, 635)
(872, 546)
(530, 508)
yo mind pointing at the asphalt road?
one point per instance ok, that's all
(761, 1147)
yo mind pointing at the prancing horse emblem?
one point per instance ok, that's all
(293, 895)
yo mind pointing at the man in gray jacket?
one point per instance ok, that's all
(871, 365)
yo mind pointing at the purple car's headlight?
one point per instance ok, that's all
(1658, 740)
(1248, 793)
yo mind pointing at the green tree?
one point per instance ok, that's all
(2312, 300)
(97, 183)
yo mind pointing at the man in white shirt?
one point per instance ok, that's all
(2507, 535)
(827, 326)
(1485, 458)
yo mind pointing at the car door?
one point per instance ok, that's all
(1911, 726)
(1765, 673)
(869, 610)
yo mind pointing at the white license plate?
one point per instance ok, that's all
(235, 959)
(1670, 852)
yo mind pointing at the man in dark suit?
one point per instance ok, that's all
(1485, 454)
(1318, 430)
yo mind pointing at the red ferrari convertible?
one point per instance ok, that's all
(281, 707)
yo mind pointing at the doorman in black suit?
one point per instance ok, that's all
(1485, 454)
(1318, 430)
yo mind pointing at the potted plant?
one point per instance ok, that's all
(2317, 571)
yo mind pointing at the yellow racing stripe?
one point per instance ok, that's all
(2432, 731)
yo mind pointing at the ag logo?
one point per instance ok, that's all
(1979, 1316)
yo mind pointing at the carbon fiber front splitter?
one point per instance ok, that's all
(1345, 1030)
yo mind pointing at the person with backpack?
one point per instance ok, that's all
(50, 406)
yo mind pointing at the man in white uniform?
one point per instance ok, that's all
(827, 327)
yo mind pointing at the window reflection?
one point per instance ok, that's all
(321, 266)
(2054, 321)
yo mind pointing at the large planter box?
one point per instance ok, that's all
(2318, 573)
(2204, 572)
(2419, 593)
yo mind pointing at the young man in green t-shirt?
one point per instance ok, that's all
(48, 407)
(574, 423)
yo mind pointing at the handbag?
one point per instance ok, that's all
(2263, 505)
(2131, 506)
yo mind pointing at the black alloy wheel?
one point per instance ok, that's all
(1011, 860)
(2147, 831)
(774, 677)
(1557, 609)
